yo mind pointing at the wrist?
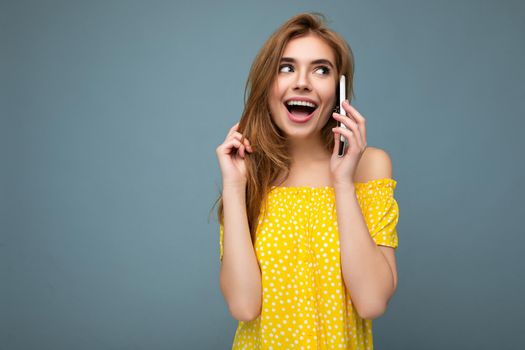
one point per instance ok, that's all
(345, 186)
(234, 186)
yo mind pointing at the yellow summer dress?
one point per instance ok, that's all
(305, 303)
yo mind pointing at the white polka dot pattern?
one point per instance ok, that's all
(305, 303)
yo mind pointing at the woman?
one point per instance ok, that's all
(307, 238)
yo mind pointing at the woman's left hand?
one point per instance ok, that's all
(343, 168)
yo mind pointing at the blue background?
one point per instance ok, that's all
(111, 114)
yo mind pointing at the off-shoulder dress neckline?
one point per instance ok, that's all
(368, 183)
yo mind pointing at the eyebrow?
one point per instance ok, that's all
(321, 60)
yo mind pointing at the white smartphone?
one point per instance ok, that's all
(341, 96)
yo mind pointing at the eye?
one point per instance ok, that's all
(285, 66)
(326, 69)
(290, 67)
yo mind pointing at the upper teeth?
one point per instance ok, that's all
(301, 103)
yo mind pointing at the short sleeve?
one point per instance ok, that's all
(221, 241)
(380, 210)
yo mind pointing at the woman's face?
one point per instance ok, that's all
(306, 73)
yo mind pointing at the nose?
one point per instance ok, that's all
(302, 82)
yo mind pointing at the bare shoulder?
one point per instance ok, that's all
(375, 163)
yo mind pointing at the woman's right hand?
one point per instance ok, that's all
(231, 155)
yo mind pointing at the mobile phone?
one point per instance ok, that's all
(340, 97)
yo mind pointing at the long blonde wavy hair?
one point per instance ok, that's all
(270, 158)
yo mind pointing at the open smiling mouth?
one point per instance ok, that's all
(300, 112)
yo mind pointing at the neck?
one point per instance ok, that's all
(308, 151)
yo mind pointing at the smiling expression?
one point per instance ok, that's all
(306, 73)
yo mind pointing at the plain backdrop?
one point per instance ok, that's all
(111, 114)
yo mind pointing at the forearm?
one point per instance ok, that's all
(240, 276)
(366, 272)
